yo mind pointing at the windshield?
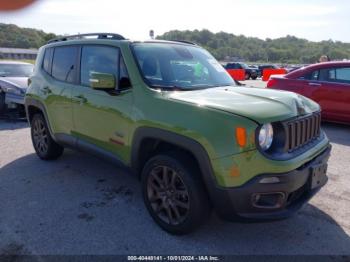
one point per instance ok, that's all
(183, 67)
(245, 66)
(15, 70)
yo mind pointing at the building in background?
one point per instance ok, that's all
(18, 53)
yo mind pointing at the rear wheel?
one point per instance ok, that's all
(174, 194)
(45, 147)
(254, 77)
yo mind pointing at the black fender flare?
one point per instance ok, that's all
(217, 195)
(181, 141)
(38, 104)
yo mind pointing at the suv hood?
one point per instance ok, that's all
(258, 104)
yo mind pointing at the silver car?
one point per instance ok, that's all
(13, 83)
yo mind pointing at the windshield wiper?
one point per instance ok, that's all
(170, 88)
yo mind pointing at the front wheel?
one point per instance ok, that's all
(247, 76)
(174, 194)
(45, 147)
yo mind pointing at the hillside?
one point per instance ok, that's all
(222, 45)
(287, 49)
(14, 36)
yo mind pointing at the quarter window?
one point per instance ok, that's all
(101, 59)
(64, 63)
(47, 60)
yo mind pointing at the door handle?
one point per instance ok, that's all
(80, 98)
(314, 84)
(46, 90)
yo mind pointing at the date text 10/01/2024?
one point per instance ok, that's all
(173, 258)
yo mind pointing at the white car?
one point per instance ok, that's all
(13, 83)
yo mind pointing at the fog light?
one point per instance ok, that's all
(269, 180)
(268, 200)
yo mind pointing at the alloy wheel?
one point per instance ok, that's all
(168, 195)
(40, 136)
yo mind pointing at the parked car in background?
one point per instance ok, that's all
(253, 67)
(249, 71)
(291, 68)
(13, 84)
(326, 83)
(267, 66)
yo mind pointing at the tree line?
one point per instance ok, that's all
(17, 37)
(224, 46)
(289, 49)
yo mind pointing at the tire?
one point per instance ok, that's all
(182, 194)
(247, 76)
(254, 77)
(45, 147)
(2, 102)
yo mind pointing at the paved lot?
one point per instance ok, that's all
(82, 205)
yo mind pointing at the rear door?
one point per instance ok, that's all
(101, 117)
(61, 64)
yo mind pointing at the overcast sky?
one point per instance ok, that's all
(311, 19)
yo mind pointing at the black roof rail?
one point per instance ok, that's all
(184, 41)
(79, 36)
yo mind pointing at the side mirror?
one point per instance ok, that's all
(102, 81)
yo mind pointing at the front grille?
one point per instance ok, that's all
(301, 131)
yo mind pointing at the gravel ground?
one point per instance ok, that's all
(80, 204)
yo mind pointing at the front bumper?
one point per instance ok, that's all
(264, 201)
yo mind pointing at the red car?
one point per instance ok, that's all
(326, 83)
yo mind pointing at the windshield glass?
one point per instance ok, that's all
(245, 66)
(175, 66)
(15, 70)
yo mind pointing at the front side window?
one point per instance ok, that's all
(342, 74)
(15, 70)
(175, 66)
(98, 59)
(64, 63)
(337, 75)
(313, 76)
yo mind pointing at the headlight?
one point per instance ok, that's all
(12, 90)
(266, 136)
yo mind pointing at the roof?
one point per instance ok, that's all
(109, 36)
(317, 66)
(7, 50)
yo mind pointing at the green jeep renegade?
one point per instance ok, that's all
(170, 112)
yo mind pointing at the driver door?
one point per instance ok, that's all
(101, 117)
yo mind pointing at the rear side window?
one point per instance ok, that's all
(64, 63)
(47, 60)
(99, 59)
(313, 76)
